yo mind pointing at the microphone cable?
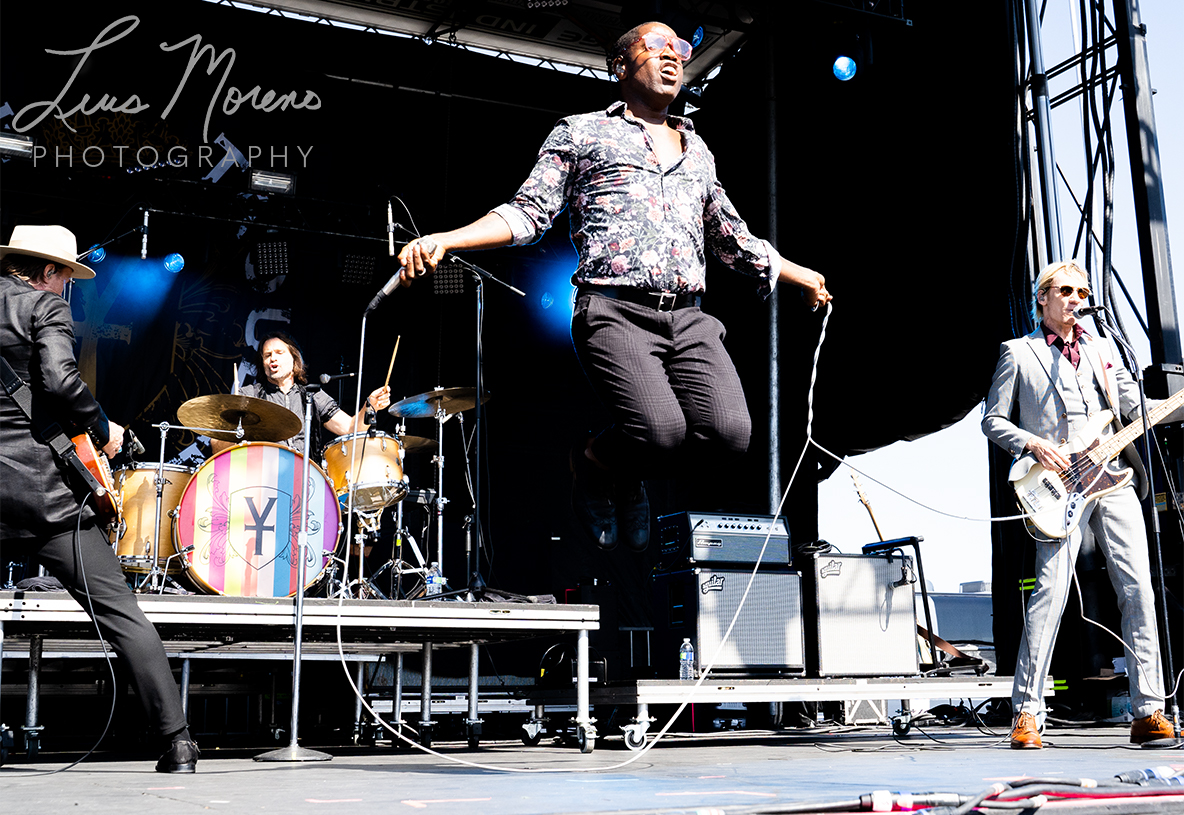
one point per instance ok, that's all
(704, 673)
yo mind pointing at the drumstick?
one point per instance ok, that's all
(391, 367)
(234, 385)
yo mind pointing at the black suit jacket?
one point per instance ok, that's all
(38, 497)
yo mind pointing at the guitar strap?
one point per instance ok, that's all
(58, 441)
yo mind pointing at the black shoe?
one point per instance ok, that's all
(592, 501)
(181, 757)
(633, 515)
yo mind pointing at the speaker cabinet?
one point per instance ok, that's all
(860, 616)
(700, 603)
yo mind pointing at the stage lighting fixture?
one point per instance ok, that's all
(271, 258)
(358, 269)
(173, 262)
(547, 300)
(449, 279)
(844, 68)
(96, 254)
(852, 53)
(697, 37)
(545, 3)
(272, 183)
(16, 146)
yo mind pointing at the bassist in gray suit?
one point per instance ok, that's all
(1049, 389)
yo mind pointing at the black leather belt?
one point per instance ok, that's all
(657, 300)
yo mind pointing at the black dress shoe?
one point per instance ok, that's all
(181, 757)
(592, 501)
(633, 515)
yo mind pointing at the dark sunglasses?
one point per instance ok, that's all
(1067, 291)
(656, 42)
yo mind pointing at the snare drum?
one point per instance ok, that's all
(133, 537)
(241, 513)
(377, 472)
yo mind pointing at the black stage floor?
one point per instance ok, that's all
(719, 773)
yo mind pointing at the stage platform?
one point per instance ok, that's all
(731, 773)
(41, 625)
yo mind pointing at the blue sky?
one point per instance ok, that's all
(948, 470)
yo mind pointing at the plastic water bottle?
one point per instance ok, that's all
(686, 659)
(433, 581)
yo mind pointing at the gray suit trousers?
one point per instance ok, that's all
(1117, 524)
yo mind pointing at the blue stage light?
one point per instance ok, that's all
(174, 263)
(547, 300)
(697, 37)
(844, 68)
(95, 254)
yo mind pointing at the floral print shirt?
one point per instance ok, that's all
(634, 222)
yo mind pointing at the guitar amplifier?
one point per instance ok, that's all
(698, 537)
(860, 615)
(700, 603)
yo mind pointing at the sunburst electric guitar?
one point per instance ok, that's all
(1055, 501)
(92, 466)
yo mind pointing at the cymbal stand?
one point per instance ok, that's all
(369, 522)
(157, 578)
(440, 502)
(396, 562)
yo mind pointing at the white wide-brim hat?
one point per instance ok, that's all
(54, 243)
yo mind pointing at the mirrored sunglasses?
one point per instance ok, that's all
(656, 42)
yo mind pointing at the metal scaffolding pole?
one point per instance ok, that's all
(1147, 181)
(774, 303)
(1050, 208)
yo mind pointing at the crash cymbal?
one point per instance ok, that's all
(450, 400)
(261, 420)
(416, 444)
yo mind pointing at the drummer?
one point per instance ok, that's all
(280, 361)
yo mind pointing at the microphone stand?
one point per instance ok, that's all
(1162, 607)
(476, 585)
(294, 752)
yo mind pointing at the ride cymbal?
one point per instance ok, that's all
(222, 413)
(424, 405)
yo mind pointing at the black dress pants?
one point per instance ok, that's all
(118, 616)
(666, 380)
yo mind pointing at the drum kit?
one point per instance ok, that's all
(231, 526)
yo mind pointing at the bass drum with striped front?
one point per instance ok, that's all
(241, 514)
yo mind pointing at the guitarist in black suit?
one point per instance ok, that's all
(45, 509)
(1048, 388)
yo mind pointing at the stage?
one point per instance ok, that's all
(749, 770)
(40, 626)
(735, 773)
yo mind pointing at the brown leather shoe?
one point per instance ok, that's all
(1025, 735)
(1150, 728)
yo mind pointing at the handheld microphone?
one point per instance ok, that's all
(327, 378)
(144, 238)
(390, 230)
(390, 286)
(1085, 311)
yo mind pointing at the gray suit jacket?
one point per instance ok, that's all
(1025, 379)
